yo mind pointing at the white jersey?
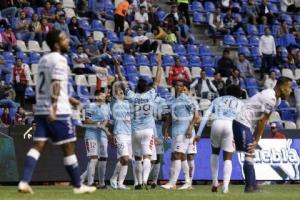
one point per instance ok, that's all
(252, 110)
(52, 66)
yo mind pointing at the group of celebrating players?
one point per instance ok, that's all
(141, 122)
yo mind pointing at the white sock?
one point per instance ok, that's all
(116, 171)
(227, 173)
(155, 172)
(123, 173)
(101, 172)
(176, 167)
(91, 168)
(185, 169)
(139, 171)
(133, 172)
(191, 164)
(146, 170)
(83, 175)
(214, 166)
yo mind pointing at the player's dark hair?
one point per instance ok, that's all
(185, 83)
(98, 92)
(142, 86)
(52, 38)
(234, 90)
(283, 80)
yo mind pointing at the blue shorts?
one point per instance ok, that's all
(60, 131)
(242, 136)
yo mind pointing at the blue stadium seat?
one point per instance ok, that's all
(192, 50)
(252, 29)
(242, 40)
(152, 59)
(273, 8)
(287, 18)
(131, 70)
(167, 60)
(275, 29)
(199, 18)
(283, 104)
(23, 56)
(209, 71)
(9, 57)
(254, 41)
(85, 25)
(297, 18)
(209, 6)
(277, 71)
(252, 91)
(142, 60)
(161, 15)
(184, 61)
(128, 60)
(261, 29)
(240, 31)
(236, 7)
(242, 84)
(83, 92)
(29, 92)
(229, 40)
(208, 61)
(12, 113)
(284, 53)
(255, 52)
(197, 7)
(245, 51)
(288, 114)
(179, 49)
(97, 26)
(257, 62)
(34, 57)
(294, 85)
(112, 36)
(205, 50)
(194, 61)
(109, 5)
(251, 83)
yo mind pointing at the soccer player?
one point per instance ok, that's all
(225, 108)
(53, 113)
(184, 115)
(160, 111)
(249, 125)
(141, 103)
(98, 114)
(122, 137)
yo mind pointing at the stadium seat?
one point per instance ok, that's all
(252, 29)
(152, 59)
(275, 29)
(12, 113)
(194, 61)
(34, 68)
(277, 71)
(255, 52)
(208, 61)
(34, 57)
(34, 46)
(163, 92)
(109, 25)
(229, 40)
(68, 4)
(179, 49)
(192, 50)
(141, 59)
(45, 47)
(166, 49)
(289, 125)
(261, 29)
(167, 60)
(196, 71)
(131, 71)
(112, 36)
(288, 73)
(205, 50)
(274, 117)
(128, 60)
(204, 104)
(9, 57)
(297, 74)
(288, 114)
(92, 80)
(273, 8)
(161, 15)
(209, 6)
(97, 26)
(163, 81)
(209, 71)
(98, 35)
(252, 91)
(145, 71)
(287, 19)
(245, 51)
(242, 40)
(83, 92)
(29, 92)
(251, 83)
(81, 80)
(69, 12)
(240, 31)
(184, 61)
(254, 41)
(23, 56)
(199, 18)
(197, 7)
(22, 46)
(85, 25)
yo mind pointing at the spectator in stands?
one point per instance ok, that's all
(178, 72)
(44, 29)
(283, 29)
(252, 12)
(128, 43)
(271, 81)
(22, 28)
(244, 66)
(153, 18)
(234, 79)
(9, 39)
(294, 29)
(278, 60)
(21, 78)
(75, 30)
(92, 50)
(219, 83)
(159, 33)
(83, 9)
(59, 10)
(287, 5)
(120, 14)
(80, 62)
(8, 9)
(61, 25)
(183, 8)
(265, 11)
(173, 14)
(230, 23)
(48, 12)
(6, 120)
(3, 22)
(267, 50)
(20, 116)
(7, 94)
(136, 4)
(183, 32)
(4, 71)
(225, 64)
(275, 133)
(141, 19)
(225, 4)
(144, 45)
(105, 50)
(215, 24)
(35, 24)
(204, 88)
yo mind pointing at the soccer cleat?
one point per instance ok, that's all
(25, 188)
(252, 190)
(84, 189)
(153, 185)
(214, 189)
(102, 187)
(168, 186)
(113, 184)
(225, 190)
(186, 186)
(123, 187)
(138, 187)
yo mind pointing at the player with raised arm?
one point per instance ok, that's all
(96, 114)
(184, 115)
(225, 108)
(53, 113)
(122, 137)
(141, 103)
(249, 125)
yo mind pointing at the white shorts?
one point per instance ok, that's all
(124, 145)
(180, 144)
(221, 135)
(160, 147)
(192, 149)
(96, 147)
(143, 142)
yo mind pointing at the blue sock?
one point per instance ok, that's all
(248, 172)
(72, 167)
(29, 164)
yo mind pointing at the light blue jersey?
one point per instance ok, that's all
(182, 111)
(97, 114)
(160, 109)
(225, 108)
(141, 107)
(121, 117)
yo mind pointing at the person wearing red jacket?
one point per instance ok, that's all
(178, 72)
(9, 39)
(275, 134)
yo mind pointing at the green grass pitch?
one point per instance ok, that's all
(200, 192)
